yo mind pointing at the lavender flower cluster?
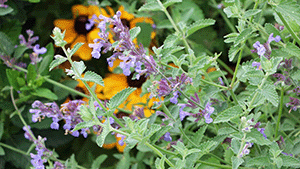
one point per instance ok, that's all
(124, 48)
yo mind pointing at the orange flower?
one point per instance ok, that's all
(76, 30)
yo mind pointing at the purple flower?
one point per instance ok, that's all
(260, 49)
(265, 49)
(39, 50)
(294, 103)
(28, 133)
(221, 81)
(2, 5)
(121, 142)
(34, 58)
(182, 113)
(31, 40)
(257, 65)
(195, 99)
(282, 78)
(163, 88)
(58, 165)
(175, 97)
(287, 154)
(207, 112)
(42, 155)
(271, 38)
(167, 137)
(245, 150)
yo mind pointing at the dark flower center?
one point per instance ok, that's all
(81, 91)
(135, 83)
(80, 23)
(125, 22)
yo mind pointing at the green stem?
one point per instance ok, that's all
(56, 83)
(255, 7)
(214, 164)
(288, 27)
(159, 154)
(237, 66)
(168, 113)
(280, 112)
(218, 158)
(224, 65)
(14, 149)
(214, 84)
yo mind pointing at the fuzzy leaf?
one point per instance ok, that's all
(4, 11)
(160, 133)
(270, 28)
(85, 124)
(258, 137)
(232, 52)
(19, 51)
(93, 77)
(289, 161)
(71, 162)
(31, 73)
(225, 131)
(59, 59)
(236, 162)
(170, 41)
(170, 2)
(106, 130)
(289, 9)
(134, 32)
(251, 12)
(6, 45)
(160, 163)
(150, 6)
(244, 35)
(269, 92)
(292, 49)
(258, 161)
(228, 114)
(2, 152)
(120, 97)
(199, 25)
(47, 58)
(75, 48)
(79, 66)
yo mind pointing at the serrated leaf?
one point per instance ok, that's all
(232, 52)
(226, 131)
(251, 12)
(160, 163)
(243, 36)
(75, 48)
(258, 161)
(270, 28)
(236, 162)
(228, 114)
(289, 9)
(19, 51)
(258, 138)
(170, 2)
(31, 73)
(80, 66)
(255, 77)
(98, 161)
(269, 92)
(6, 45)
(84, 124)
(160, 133)
(71, 162)
(106, 130)
(44, 92)
(93, 77)
(170, 41)
(134, 32)
(59, 59)
(150, 6)
(152, 130)
(120, 97)
(199, 25)
(289, 161)
(47, 58)
(292, 49)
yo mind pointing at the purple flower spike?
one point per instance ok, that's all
(257, 65)
(121, 142)
(183, 114)
(261, 50)
(2, 4)
(271, 38)
(167, 137)
(39, 50)
(175, 97)
(195, 99)
(207, 112)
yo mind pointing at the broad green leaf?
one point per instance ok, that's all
(71, 162)
(255, 77)
(251, 12)
(226, 131)
(228, 114)
(160, 163)
(145, 36)
(34, 1)
(275, 62)
(289, 9)
(120, 97)
(180, 148)
(152, 130)
(31, 73)
(266, 64)
(134, 32)
(2, 152)
(170, 41)
(98, 161)
(170, 2)
(59, 59)
(258, 161)
(4, 11)
(199, 25)
(206, 146)
(6, 45)
(270, 28)
(151, 6)
(231, 11)
(269, 92)
(84, 124)
(236, 162)
(258, 138)
(79, 66)
(292, 49)
(44, 92)
(19, 51)
(93, 77)
(47, 58)
(232, 52)
(105, 131)
(160, 133)
(75, 48)
(124, 162)
(12, 76)
(243, 36)
(289, 161)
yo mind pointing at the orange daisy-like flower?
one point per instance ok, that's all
(76, 30)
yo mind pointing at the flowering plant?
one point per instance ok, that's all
(164, 102)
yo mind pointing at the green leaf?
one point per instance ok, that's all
(289, 9)
(160, 133)
(231, 11)
(19, 51)
(93, 77)
(59, 59)
(152, 130)
(170, 2)
(275, 62)
(160, 163)
(269, 92)
(31, 73)
(289, 161)
(106, 130)
(199, 25)
(98, 161)
(120, 97)
(6, 45)
(258, 137)
(236, 162)
(79, 66)
(75, 48)
(1, 129)
(270, 28)
(199, 134)
(292, 49)
(84, 124)
(4, 11)
(2, 152)
(226, 131)
(228, 114)
(47, 58)
(258, 161)
(134, 32)
(71, 162)
(243, 36)
(13, 76)
(206, 146)
(251, 12)
(34, 1)
(255, 77)
(151, 6)
(232, 52)
(44, 92)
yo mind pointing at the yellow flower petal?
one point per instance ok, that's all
(116, 64)
(109, 146)
(79, 10)
(114, 83)
(119, 147)
(125, 14)
(84, 52)
(111, 11)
